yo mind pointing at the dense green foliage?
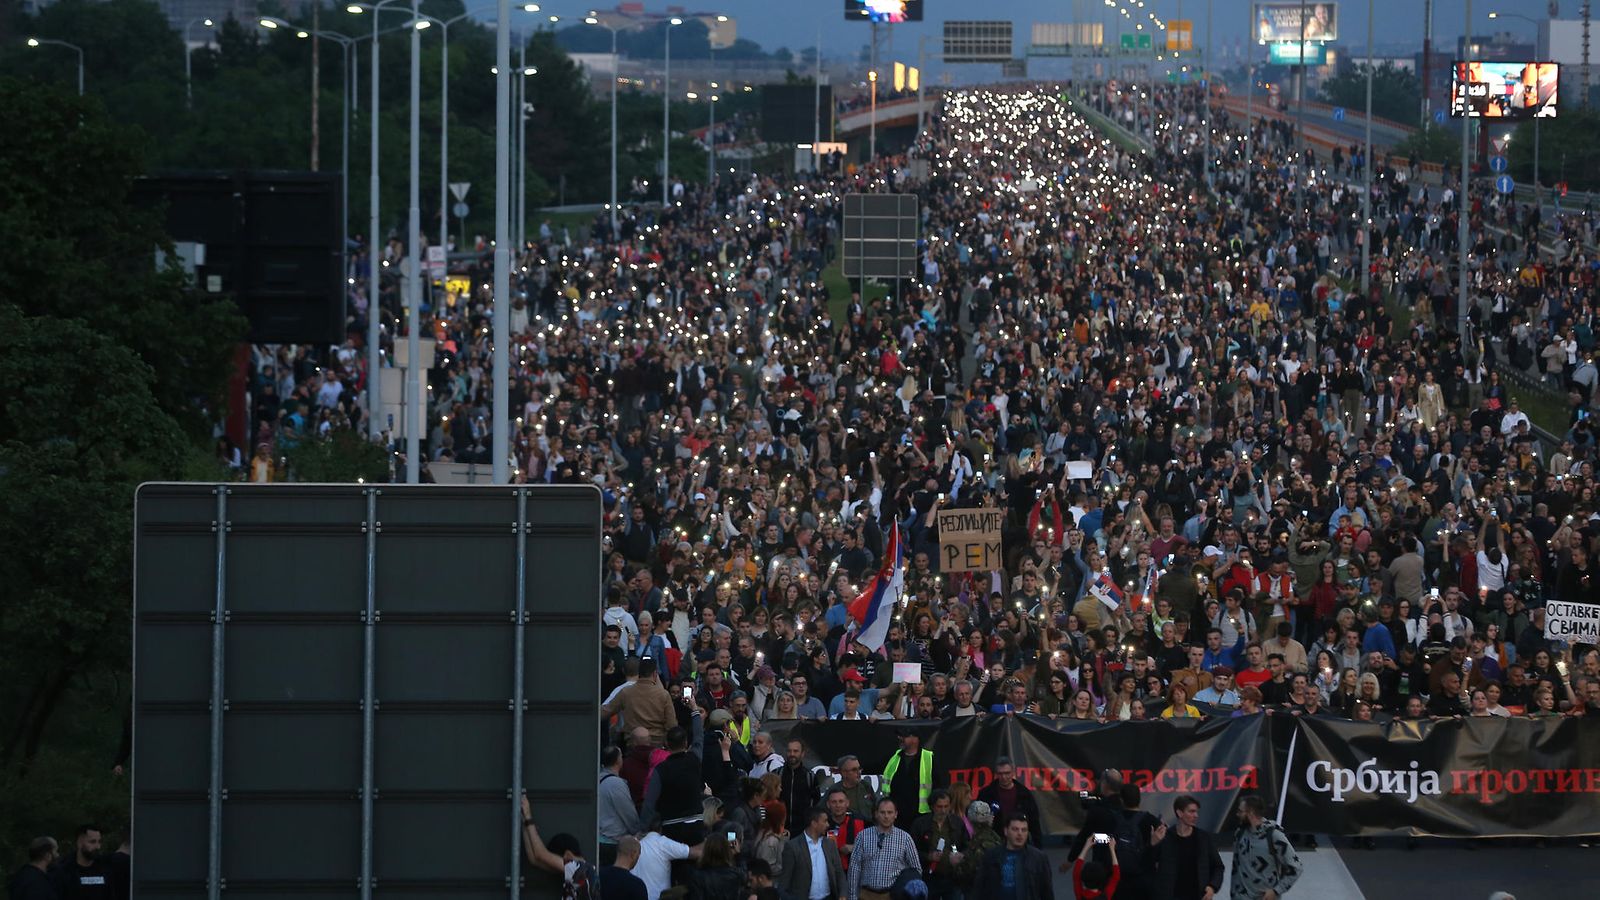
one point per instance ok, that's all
(252, 100)
(113, 370)
(1568, 150)
(1394, 92)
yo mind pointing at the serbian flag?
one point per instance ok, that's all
(873, 609)
(1106, 591)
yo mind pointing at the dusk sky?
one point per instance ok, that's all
(794, 23)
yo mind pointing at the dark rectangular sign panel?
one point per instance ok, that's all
(879, 237)
(338, 689)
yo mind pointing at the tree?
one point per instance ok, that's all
(106, 362)
(1394, 91)
(77, 247)
(1568, 150)
(342, 456)
(1432, 144)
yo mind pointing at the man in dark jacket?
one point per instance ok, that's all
(32, 881)
(795, 879)
(1007, 797)
(672, 800)
(1188, 866)
(1018, 862)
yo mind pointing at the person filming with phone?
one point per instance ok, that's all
(1092, 880)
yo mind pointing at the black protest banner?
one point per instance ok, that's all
(1479, 777)
(1474, 777)
(1059, 760)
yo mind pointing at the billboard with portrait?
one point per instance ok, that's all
(883, 10)
(1504, 90)
(1281, 22)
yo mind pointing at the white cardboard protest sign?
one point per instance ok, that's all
(1572, 622)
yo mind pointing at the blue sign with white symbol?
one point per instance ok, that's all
(1338, 114)
(1439, 117)
(1504, 184)
(1497, 163)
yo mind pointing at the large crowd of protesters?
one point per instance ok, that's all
(1300, 499)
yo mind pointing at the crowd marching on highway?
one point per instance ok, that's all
(1228, 483)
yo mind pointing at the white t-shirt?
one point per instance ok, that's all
(654, 868)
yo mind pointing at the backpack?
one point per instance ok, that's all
(581, 881)
(1133, 841)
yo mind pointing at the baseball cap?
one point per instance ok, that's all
(852, 674)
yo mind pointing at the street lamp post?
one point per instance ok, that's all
(711, 141)
(500, 362)
(872, 133)
(347, 46)
(666, 112)
(188, 67)
(1466, 206)
(1366, 171)
(1205, 90)
(375, 416)
(1535, 24)
(616, 72)
(42, 42)
(414, 267)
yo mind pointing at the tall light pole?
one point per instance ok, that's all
(666, 112)
(1535, 24)
(500, 365)
(188, 66)
(1366, 171)
(1302, 171)
(872, 133)
(43, 42)
(524, 72)
(616, 72)
(816, 103)
(347, 46)
(1466, 206)
(444, 119)
(1250, 92)
(375, 415)
(414, 374)
(1205, 90)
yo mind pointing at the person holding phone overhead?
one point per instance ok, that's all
(1092, 880)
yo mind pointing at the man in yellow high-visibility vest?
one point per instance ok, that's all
(910, 776)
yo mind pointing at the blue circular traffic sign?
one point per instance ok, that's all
(1497, 164)
(1504, 184)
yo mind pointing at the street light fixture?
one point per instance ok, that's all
(347, 46)
(594, 19)
(666, 111)
(45, 42)
(872, 135)
(188, 53)
(375, 413)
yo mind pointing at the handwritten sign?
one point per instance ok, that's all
(969, 540)
(1567, 621)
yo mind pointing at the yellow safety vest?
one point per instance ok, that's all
(743, 731)
(924, 777)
